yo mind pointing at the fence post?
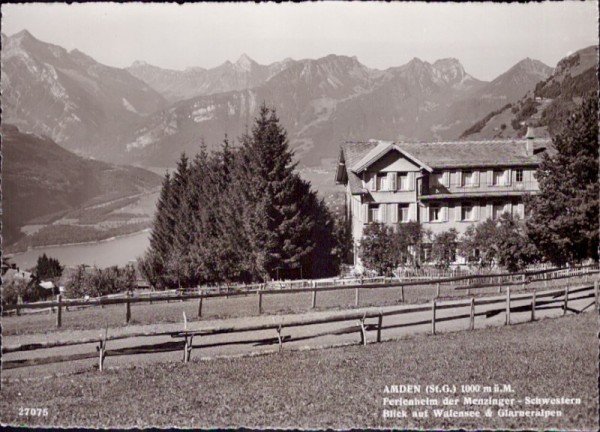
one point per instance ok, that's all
(128, 310)
(523, 283)
(19, 302)
(379, 325)
(259, 301)
(402, 293)
(596, 293)
(200, 306)
(356, 296)
(437, 290)
(363, 330)
(472, 319)
(433, 305)
(507, 305)
(566, 304)
(533, 306)
(59, 314)
(314, 295)
(102, 350)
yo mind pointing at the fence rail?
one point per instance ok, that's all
(470, 282)
(558, 298)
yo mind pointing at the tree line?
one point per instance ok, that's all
(241, 213)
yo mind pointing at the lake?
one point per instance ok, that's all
(118, 251)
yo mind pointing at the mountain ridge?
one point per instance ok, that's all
(547, 104)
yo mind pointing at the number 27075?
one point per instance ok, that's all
(33, 412)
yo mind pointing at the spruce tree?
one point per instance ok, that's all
(275, 202)
(564, 215)
(154, 264)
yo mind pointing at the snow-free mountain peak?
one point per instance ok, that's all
(245, 62)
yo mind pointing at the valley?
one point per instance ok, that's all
(70, 122)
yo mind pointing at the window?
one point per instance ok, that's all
(403, 181)
(519, 176)
(382, 183)
(402, 212)
(498, 209)
(467, 212)
(373, 213)
(435, 214)
(500, 178)
(468, 178)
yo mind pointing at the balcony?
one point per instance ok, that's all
(428, 192)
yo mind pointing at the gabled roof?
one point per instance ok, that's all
(358, 156)
(380, 150)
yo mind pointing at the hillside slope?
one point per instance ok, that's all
(40, 178)
(546, 104)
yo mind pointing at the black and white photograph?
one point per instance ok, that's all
(317, 215)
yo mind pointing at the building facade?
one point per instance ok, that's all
(441, 185)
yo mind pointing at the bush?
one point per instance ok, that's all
(27, 290)
(96, 282)
(443, 248)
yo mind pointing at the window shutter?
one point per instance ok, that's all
(521, 210)
(392, 181)
(445, 213)
(490, 177)
(365, 213)
(476, 178)
(411, 181)
(475, 211)
(508, 208)
(382, 215)
(412, 212)
(508, 178)
(459, 178)
(425, 213)
(457, 212)
(490, 210)
(446, 178)
(393, 211)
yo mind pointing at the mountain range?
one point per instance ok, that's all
(177, 85)
(326, 101)
(146, 115)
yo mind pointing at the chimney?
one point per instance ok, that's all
(529, 137)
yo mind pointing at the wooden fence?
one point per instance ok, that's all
(537, 301)
(471, 282)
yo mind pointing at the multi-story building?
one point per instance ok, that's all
(442, 185)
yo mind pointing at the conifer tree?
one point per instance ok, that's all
(154, 264)
(564, 215)
(276, 223)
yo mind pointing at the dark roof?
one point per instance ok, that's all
(352, 153)
(458, 154)
(449, 154)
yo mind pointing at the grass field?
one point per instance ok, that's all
(144, 313)
(332, 388)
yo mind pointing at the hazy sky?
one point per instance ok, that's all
(487, 38)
